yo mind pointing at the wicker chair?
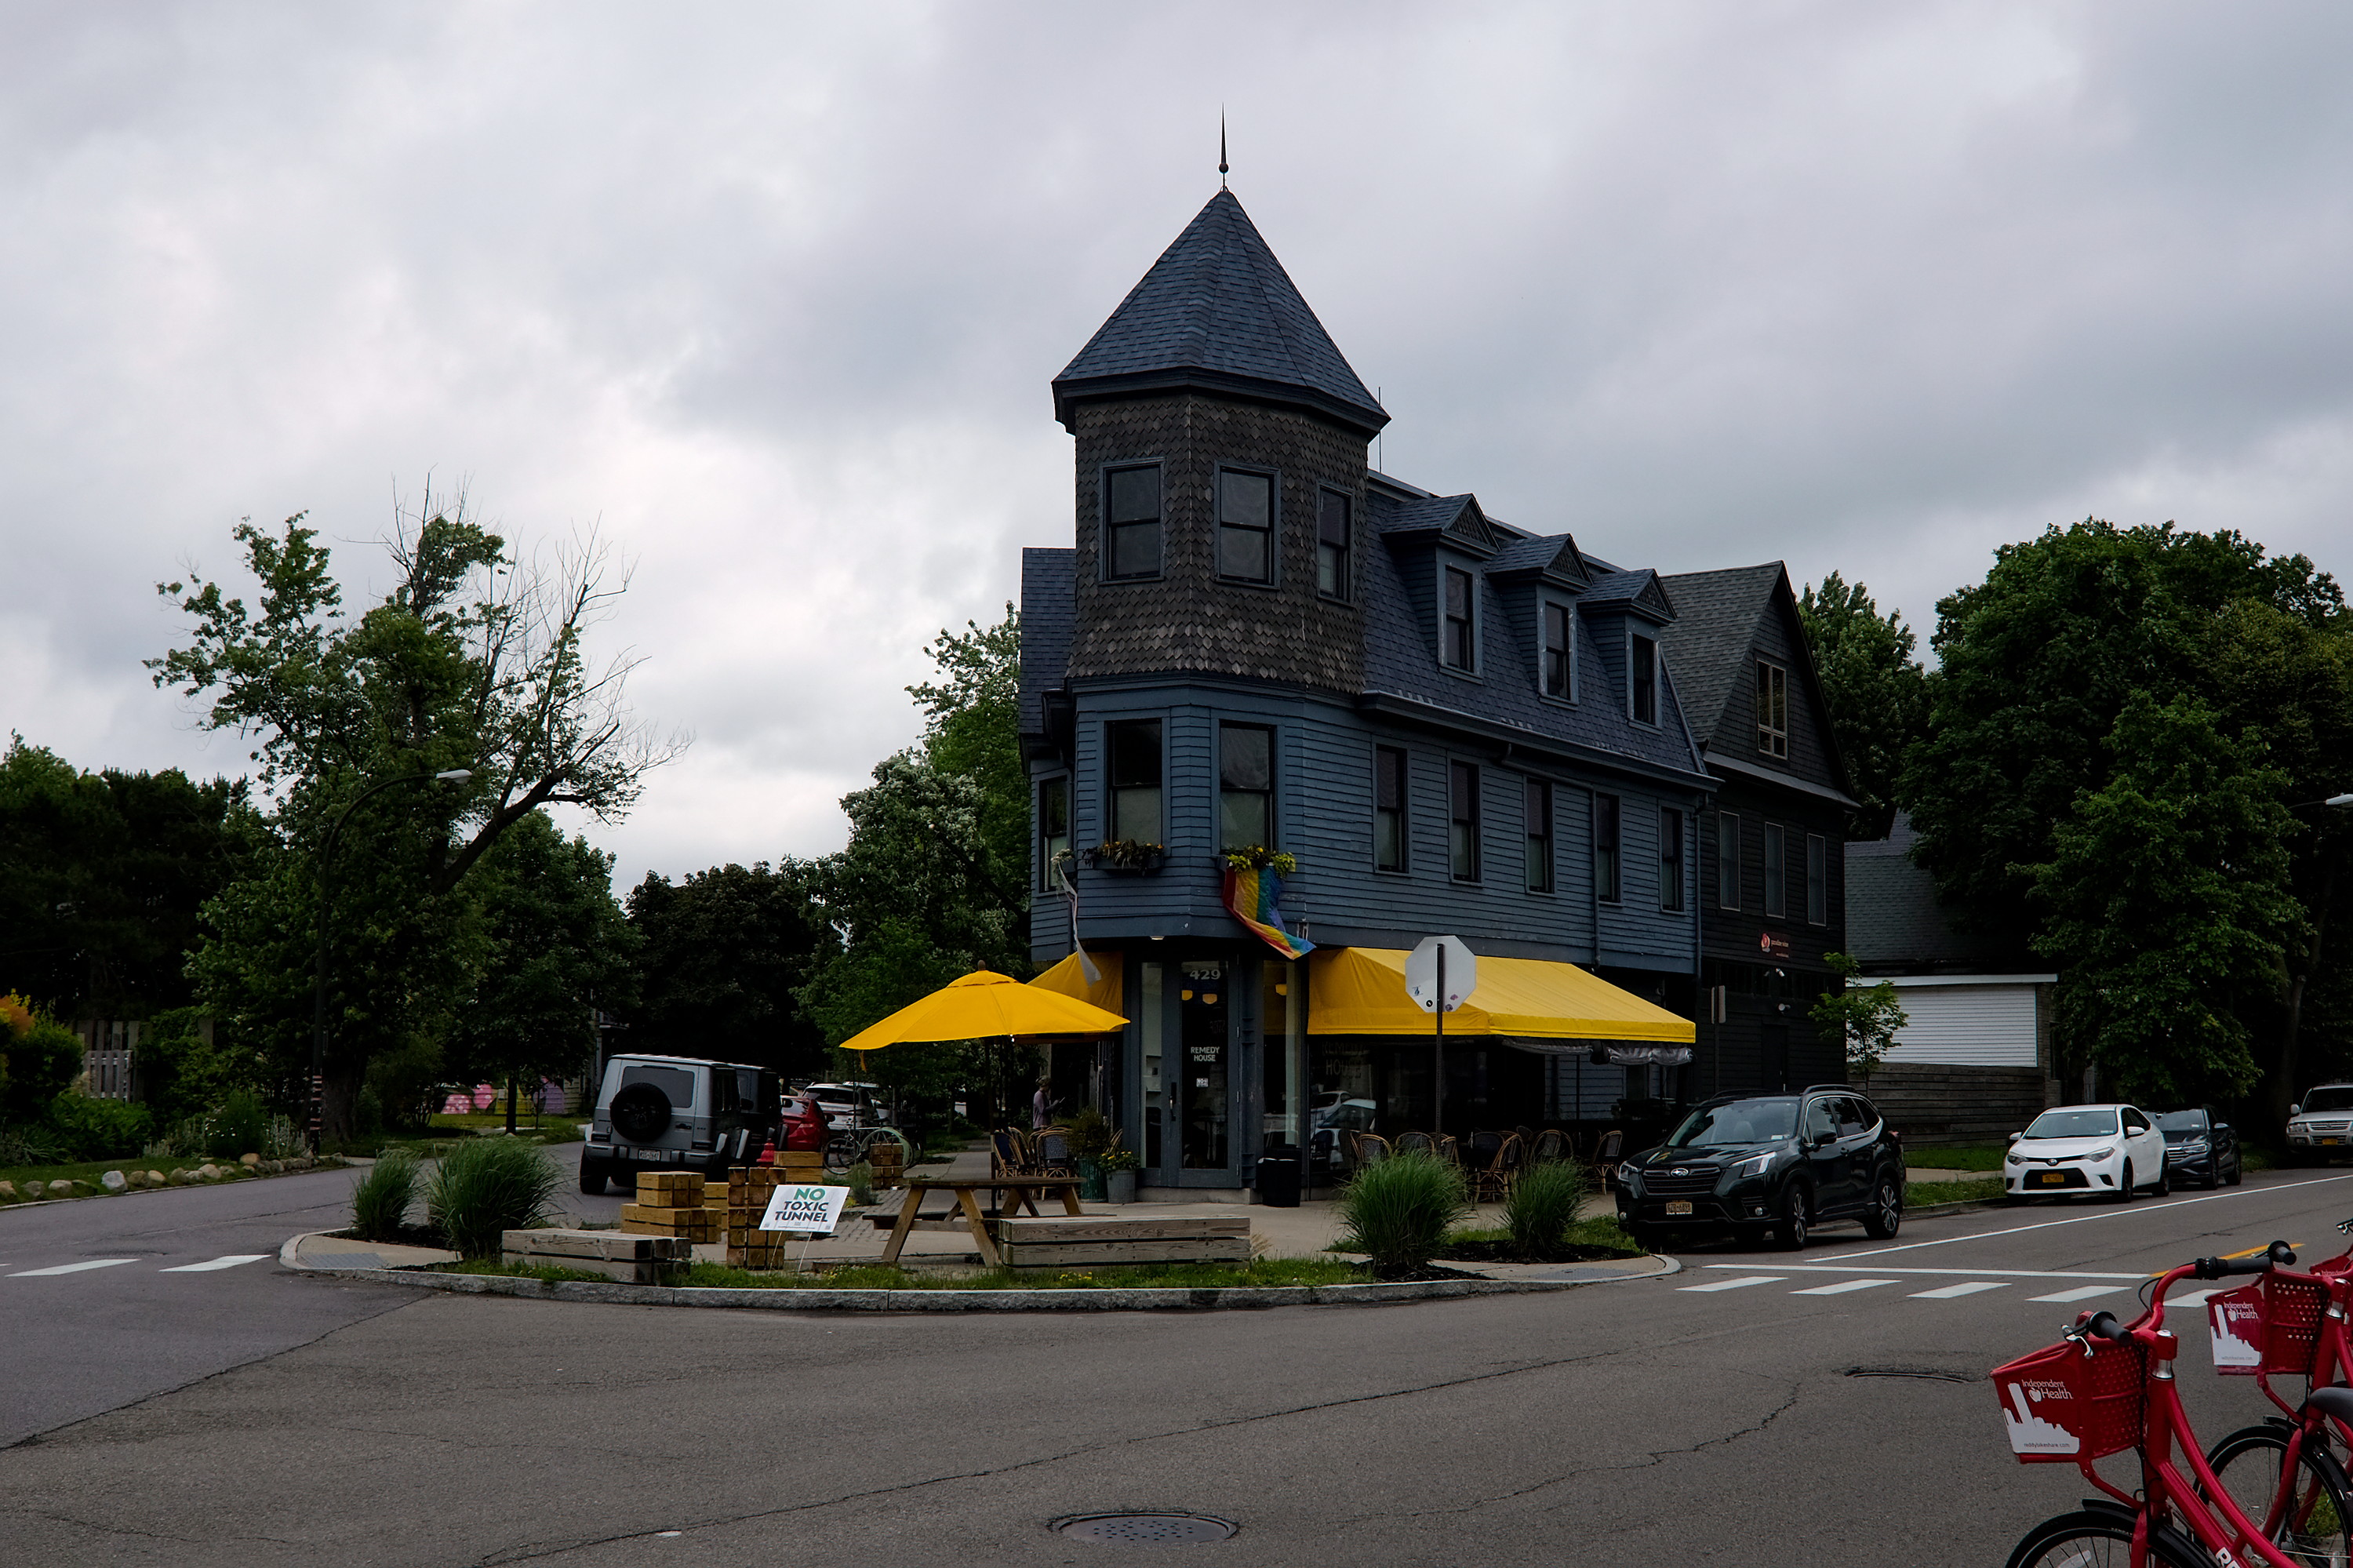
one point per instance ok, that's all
(1050, 1153)
(1482, 1148)
(1492, 1183)
(1608, 1153)
(1550, 1145)
(1009, 1154)
(1366, 1148)
(1450, 1149)
(1416, 1143)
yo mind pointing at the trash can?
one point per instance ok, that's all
(1278, 1178)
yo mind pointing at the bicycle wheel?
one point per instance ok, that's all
(2089, 1540)
(2306, 1520)
(842, 1151)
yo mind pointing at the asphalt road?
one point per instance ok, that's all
(1691, 1419)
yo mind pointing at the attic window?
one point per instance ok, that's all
(1132, 519)
(1772, 709)
(1558, 669)
(1331, 536)
(1456, 643)
(1246, 526)
(1644, 666)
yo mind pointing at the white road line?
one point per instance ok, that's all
(2085, 1294)
(72, 1267)
(1969, 1287)
(1734, 1284)
(231, 1261)
(1842, 1287)
(1964, 1273)
(2162, 1207)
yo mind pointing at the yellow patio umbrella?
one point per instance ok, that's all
(983, 1004)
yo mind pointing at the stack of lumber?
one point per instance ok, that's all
(1068, 1242)
(749, 1187)
(670, 1203)
(887, 1157)
(631, 1259)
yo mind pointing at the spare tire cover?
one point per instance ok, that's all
(641, 1113)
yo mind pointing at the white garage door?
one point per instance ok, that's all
(1967, 1026)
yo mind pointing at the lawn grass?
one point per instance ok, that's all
(1921, 1194)
(547, 1272)
(1973, 1157)
(1600, 1231)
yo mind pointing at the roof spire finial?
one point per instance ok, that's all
(1221, 148)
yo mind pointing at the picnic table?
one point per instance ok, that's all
(1020, 1192)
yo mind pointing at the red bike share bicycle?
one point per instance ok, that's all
(2108, 1388)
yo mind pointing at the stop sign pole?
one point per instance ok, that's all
(1438, 974)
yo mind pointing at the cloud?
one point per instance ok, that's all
(770, 295)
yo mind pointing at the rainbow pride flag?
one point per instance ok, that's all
(1251, 899)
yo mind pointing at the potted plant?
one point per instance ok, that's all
(1091, 1135)
(1119, 1167)
(1258, 857)
(1131, 857)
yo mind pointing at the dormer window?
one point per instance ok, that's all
(1457, 645)
(1132, 521)
(1246, 526)
(1332, 532)
(1772, 709)
(1559, 667)
(1645, 668)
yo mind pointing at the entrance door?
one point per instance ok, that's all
(1773, 1052)
(1204, 1084)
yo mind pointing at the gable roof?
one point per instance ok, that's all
(1710, 640)
(1456, 516)
(1556, 556)
(1218, 310)
(1639, 590)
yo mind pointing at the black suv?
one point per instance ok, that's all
(1778, 1164)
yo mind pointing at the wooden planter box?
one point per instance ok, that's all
(1087, 1243)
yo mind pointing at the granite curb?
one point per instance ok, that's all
(814, 1299)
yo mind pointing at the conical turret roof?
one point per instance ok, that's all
(1217, 311)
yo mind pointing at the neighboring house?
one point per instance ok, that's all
(1974, 1062)
(1457, 726)
(1772, 877)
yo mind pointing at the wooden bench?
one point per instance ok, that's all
(1063, 1243)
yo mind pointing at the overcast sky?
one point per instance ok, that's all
(772, 294)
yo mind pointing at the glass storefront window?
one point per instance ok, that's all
(1153, 978)
(1282, 1050)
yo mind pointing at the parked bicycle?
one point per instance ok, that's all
(2108, 1388)
(850, 1145)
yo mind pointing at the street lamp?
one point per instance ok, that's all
(319, 965)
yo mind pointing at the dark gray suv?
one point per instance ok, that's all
(678, 1113)
(1768, 1166)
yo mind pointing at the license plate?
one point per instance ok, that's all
(1677, 1209)
(2332, 1140)
(649, 1156)
(2051, 1178)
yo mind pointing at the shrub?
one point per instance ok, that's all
(860, 1180)
(486, 1186)
(381, 1200)
(39, 1058)
(1397, 1212)
(1543, 1205)
(86, 1128)
(240, 1126)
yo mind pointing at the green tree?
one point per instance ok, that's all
(471, 661)
(2167, 904)
(721, 954)
(1876, 693)
(1866, 1017)
(972, 729)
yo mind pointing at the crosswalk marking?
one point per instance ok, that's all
(1734, 1284)
(231, 1261)
(1969, 1287)
(2083, 1294)
(72, 1267)
(1842, 1287)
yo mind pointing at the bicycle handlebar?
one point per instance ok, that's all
(2279, 1253)
(2100, 1326)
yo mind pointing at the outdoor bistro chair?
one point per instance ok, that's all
(1492, 1182)
(1550, 1145)
(1481, 1152)
(1008, 1154)
(1050, 1154)
(1368, 1149)
(1416, 1143)
(1450, 1149)
(1527, 1136)
(1607, 1152)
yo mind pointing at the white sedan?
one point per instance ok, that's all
(2109, 1150)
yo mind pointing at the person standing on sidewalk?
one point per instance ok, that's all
(1041, 1106)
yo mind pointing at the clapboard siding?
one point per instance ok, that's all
(1931, 1103)
(1967, 1026)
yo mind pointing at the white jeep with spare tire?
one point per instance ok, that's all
(678, 1113)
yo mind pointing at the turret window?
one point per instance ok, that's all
(1332, 532)
(1135, 781)
(1132, 519)
(1246, 526)
(1246, 785)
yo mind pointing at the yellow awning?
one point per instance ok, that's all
(1361, 990)
(1072, 981)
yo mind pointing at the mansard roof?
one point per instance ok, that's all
(1217, 311)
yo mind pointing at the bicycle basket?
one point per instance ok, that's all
(2271, 1327)
(2063, 1404)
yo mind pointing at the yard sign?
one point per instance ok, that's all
(807, 1210)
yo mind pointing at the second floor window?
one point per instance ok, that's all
(1053, 828)
(1457, 646)
(1557, 668)
(1605, 847)
(1777, 871)
(1132, 517)
(1332, 536)
(1772, 709)
(1463, 825)
(1245, 786)
(1389, 809)
(1246, 526)
(1817, 880)
(1135, 746)
(1727, 860)
(1535, 810)
(1671, 858)
(1643, 662)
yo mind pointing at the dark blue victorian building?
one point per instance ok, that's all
(1453, 724)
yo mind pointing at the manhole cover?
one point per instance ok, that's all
(1160, 1527)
